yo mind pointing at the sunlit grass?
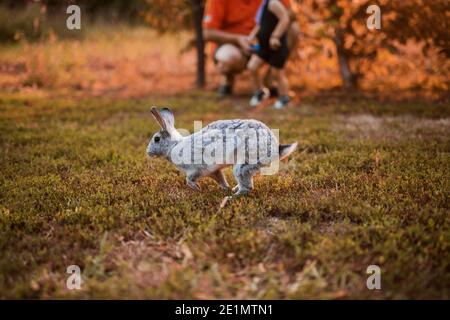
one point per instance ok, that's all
(368, 185)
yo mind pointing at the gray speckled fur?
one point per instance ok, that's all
(169, 143)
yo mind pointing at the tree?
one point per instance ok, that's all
(345, 24)
(180, 15)
(197, 13)
(426, 21)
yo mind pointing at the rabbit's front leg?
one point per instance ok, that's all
(191, 180)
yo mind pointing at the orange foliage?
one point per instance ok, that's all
(405, 55)
(397, 57)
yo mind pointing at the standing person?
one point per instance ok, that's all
(228, 23)
(272, 22)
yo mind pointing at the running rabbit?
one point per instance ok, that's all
(248, 145)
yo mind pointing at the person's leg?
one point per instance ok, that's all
(254, 65)
(261, 93)
(230, 61)
(268, 82)
(283, 88)
(283, 84)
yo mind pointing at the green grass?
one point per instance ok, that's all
(369, 185)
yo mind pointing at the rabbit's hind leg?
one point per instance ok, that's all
(220, 178)
(244, 176)
(191, 180)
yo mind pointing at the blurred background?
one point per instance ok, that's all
(141, 47)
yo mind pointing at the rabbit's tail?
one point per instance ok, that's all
(284, 150)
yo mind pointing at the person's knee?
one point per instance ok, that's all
(230, 64)
(229, 59)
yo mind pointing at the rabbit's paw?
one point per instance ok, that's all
(193, 185)
(240, 192)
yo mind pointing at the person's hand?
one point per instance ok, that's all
(244, 44)
(274, 43)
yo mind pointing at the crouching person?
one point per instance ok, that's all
(228, 24)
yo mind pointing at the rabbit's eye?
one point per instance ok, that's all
(157, 139)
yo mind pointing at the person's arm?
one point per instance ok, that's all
(283, 22)
(221, 37)
(254, 32)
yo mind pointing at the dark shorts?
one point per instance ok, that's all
(276, 58)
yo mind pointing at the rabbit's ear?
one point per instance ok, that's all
(158, 118)
(168, 118)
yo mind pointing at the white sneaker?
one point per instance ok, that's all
(281, 102)
(259, 96)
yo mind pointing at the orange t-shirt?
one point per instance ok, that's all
(234, 16)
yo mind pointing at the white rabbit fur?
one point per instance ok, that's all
(170, 144)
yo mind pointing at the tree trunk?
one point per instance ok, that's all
(197, 12)
(348, 77)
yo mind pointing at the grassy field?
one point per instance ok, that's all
(369, 185)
